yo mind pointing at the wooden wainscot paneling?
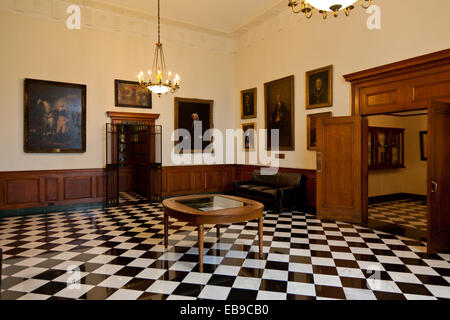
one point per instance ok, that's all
(180, 180)
(26, 189)
(77, 188)
(402, 86)
(22, 191)
(51, 189)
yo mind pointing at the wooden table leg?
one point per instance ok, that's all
(166, 230)
(200, 247)
(260, 236)
(218, 231)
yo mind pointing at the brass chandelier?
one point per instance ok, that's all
(325, 6)
(159, 80)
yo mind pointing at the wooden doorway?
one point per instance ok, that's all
(134, 160)
(403, 86)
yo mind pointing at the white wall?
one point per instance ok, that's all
(287, 44)
(413, 178)
(40, 47)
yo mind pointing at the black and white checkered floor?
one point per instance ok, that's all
(406, 213)
(117, 254)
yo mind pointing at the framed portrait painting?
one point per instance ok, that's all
(54, 117)
(248, 136)
(196, 117)
(248, 104)
(312, 128)
(130, 94)
(423, 145)
(279, 113)
(319, 88)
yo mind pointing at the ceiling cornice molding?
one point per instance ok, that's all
(103, 16)
(259, 17)
(115, 8)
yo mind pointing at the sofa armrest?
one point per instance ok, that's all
(287, 192)
(236, 184)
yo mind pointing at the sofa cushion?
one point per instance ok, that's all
(259, 191)
(266, 180)
(288, 180)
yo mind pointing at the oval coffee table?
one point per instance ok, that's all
(212, 209)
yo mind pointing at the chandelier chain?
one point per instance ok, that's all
(159, 80)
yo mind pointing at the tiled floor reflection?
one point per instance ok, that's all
(406, 213)
(117, 254)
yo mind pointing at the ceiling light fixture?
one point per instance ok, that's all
(325, 6)
(159, 80)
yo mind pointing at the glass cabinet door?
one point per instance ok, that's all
(382, 138)
(395, 148)
(385, 148)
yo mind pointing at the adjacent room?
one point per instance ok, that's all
(224, 150)
(398, 172)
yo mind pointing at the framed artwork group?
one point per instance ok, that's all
(279, 108)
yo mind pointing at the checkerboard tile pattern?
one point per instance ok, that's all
(407, 213)
(117, 253)
(130, 197)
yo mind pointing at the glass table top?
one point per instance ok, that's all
(212, 203)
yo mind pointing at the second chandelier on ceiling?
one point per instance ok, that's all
(325, 6)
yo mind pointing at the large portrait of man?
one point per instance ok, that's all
(319, 88)
(196, 117)
(248, 104)
(54, 117)
(279, 109)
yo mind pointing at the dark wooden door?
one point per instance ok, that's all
(112, 166)
(438, 177)
(140, 158)
(341, 175)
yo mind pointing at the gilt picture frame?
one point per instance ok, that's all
(129, 94)
(319, 88)
(312, 128)
(248, 136)
(249, 104)
(54, 117)
(279, 107)
(191, 112)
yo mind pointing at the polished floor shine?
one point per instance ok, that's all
(406, 213)
(117, 253)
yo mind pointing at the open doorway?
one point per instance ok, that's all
(397, 173)
(133, 163)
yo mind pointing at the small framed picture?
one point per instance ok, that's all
(130, 94)
(319, 88)
(312, 128)
(248, 104)
(248, 136)
(423, 145)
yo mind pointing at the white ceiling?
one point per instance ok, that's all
(224, 16)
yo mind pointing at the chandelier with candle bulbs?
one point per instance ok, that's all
(158, 80)
(325, 6)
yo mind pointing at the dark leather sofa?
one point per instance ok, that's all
(276, 192)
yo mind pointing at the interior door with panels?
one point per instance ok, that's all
(438, 177)
(341, 153)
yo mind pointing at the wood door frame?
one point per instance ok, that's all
(118, 118)
(406, 78)
(121, 117)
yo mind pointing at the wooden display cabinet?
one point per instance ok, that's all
(386, 148)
